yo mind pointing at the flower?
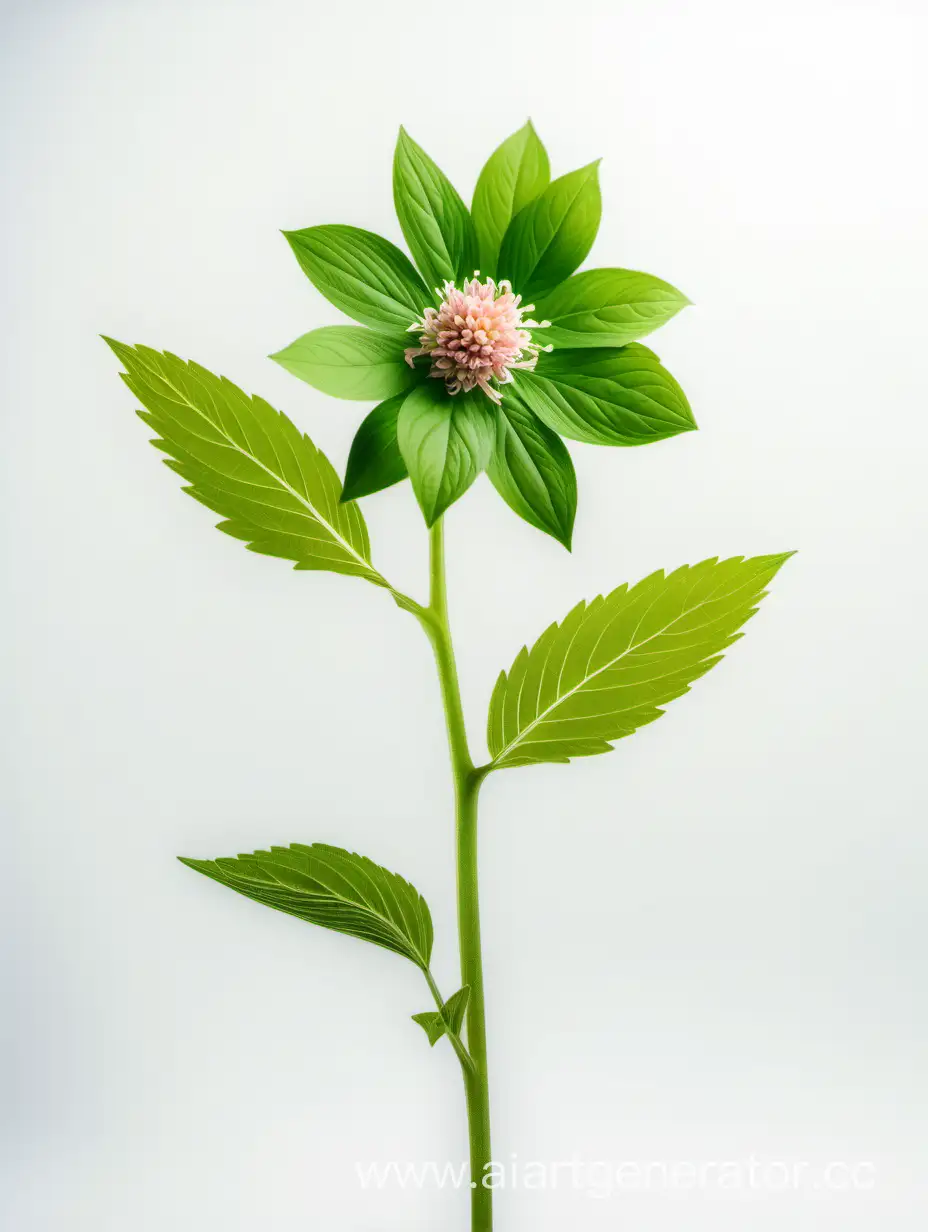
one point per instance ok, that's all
(478, 334)
(487, 388)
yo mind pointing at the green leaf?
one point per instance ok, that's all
(607, 396)
(606, 307)
(611, 664)
(335, 889)
(514, 175)
(449, 1019)
(532, 471)
(432, 1024)
(349, 361)
(248, 462)
(445, 442)
(548, 239)
(363, 274)
(433, 218)
(375, 461)
(455, 1008)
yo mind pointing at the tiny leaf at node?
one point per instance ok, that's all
(532, 470)
(249, 463)
(514, 175)
(606, 307)
(375, 461)
(433, 218)
(361, 273)
(610, 665)
(455, 1008)
(607, 396)
(446, 441)
(349, 361)
(548, 239)
(333, 888)
(436, 1023)
(432, 1024)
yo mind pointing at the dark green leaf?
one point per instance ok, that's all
(248, 462)
(606, 307)
(548, 239)
(334, 888)
(611, 664)
(349, 361)
(445, 442)
(532, 471)
(363, 274)
(514, 175)
(375, 461)
(607, 396)
(433, 218)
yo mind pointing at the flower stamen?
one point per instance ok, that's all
(477, 336)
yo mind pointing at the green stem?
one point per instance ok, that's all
(462, 1053)
(467, 780)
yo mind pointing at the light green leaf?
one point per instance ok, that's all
(449, 1019)
(514, 175)
(363, 274)
(532, 470)
(606, 307)
(248, 462)
(433, 218)
(445, 442)
(348, 361)
(375, 461)
(548, 239)
(611, 664)
(607, 396)
(335, 889)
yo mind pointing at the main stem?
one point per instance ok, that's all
(467, 780)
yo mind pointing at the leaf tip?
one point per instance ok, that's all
(120, 349)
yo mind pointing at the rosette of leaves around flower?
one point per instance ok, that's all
(491, 348)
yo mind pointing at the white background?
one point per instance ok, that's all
(709, 944)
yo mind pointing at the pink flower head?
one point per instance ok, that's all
(477, 335)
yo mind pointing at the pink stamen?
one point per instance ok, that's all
(476, 336)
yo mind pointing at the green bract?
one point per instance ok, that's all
(592, 384)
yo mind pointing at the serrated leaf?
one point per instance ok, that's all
(606, 307)
(436, 1023)
(248, 462)
(532, 470)
(548, 239)
(375, 461)
(333, 888)
(349, 361)
(433, 218)
(611, 665)
(607, 396)
(445, 442)
(514, 175)
(363, 274)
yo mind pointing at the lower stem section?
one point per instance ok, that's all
(476, 1081)
(467, 782)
